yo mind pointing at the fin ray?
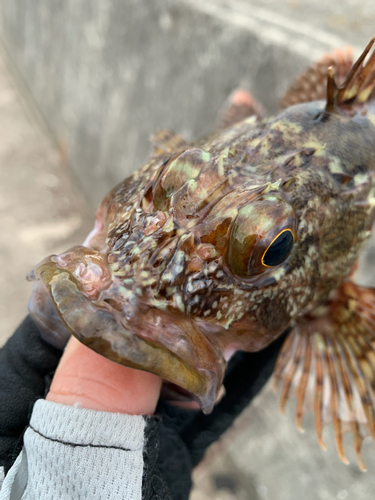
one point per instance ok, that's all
(303, 384)
(284, 358)
(166, 141)
(311, 85)
(328, 363)
(334, 381)
(319, 419)
(289, 374)
(239, 105)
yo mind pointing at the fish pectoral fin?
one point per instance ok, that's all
(311, 85)
(166, 141)
(328, 363)
(239, 105)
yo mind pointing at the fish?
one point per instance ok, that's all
(224, 243)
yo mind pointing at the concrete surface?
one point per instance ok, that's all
(350, 20)
(41, 209)
(263, 457)
(107, 73)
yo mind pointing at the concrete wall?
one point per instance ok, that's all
(107, 73)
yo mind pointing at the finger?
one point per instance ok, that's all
(87, 379)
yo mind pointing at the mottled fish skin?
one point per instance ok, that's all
(295, 157)
(172, 279)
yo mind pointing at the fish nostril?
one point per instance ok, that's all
(92, 277)
(88, 272)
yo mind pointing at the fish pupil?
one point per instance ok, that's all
(279, 249)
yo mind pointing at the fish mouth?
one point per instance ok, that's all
(152, 340)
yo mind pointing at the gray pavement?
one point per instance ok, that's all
(41, 209)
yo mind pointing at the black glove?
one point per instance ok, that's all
(186, 435)
(174, 445)
(26, 364)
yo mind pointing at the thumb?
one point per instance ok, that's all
(87, 379)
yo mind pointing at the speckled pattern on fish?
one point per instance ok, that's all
(222, 244)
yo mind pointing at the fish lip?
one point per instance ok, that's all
(45, 316)
(199, 369)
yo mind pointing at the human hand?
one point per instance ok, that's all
(27, 360)
(86, 379)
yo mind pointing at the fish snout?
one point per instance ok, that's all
(87, 267)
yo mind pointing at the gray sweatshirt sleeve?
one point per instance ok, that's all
(75, 453)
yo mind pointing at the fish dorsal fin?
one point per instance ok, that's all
(311, 85)
(358, 87)
(328, 363)
(360, 81)
(166, 141)
(239, 105)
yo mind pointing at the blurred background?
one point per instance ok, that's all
(83, 84)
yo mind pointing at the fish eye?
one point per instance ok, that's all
(279, 249)
(262, 236)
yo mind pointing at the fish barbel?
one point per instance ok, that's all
(222, 244)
